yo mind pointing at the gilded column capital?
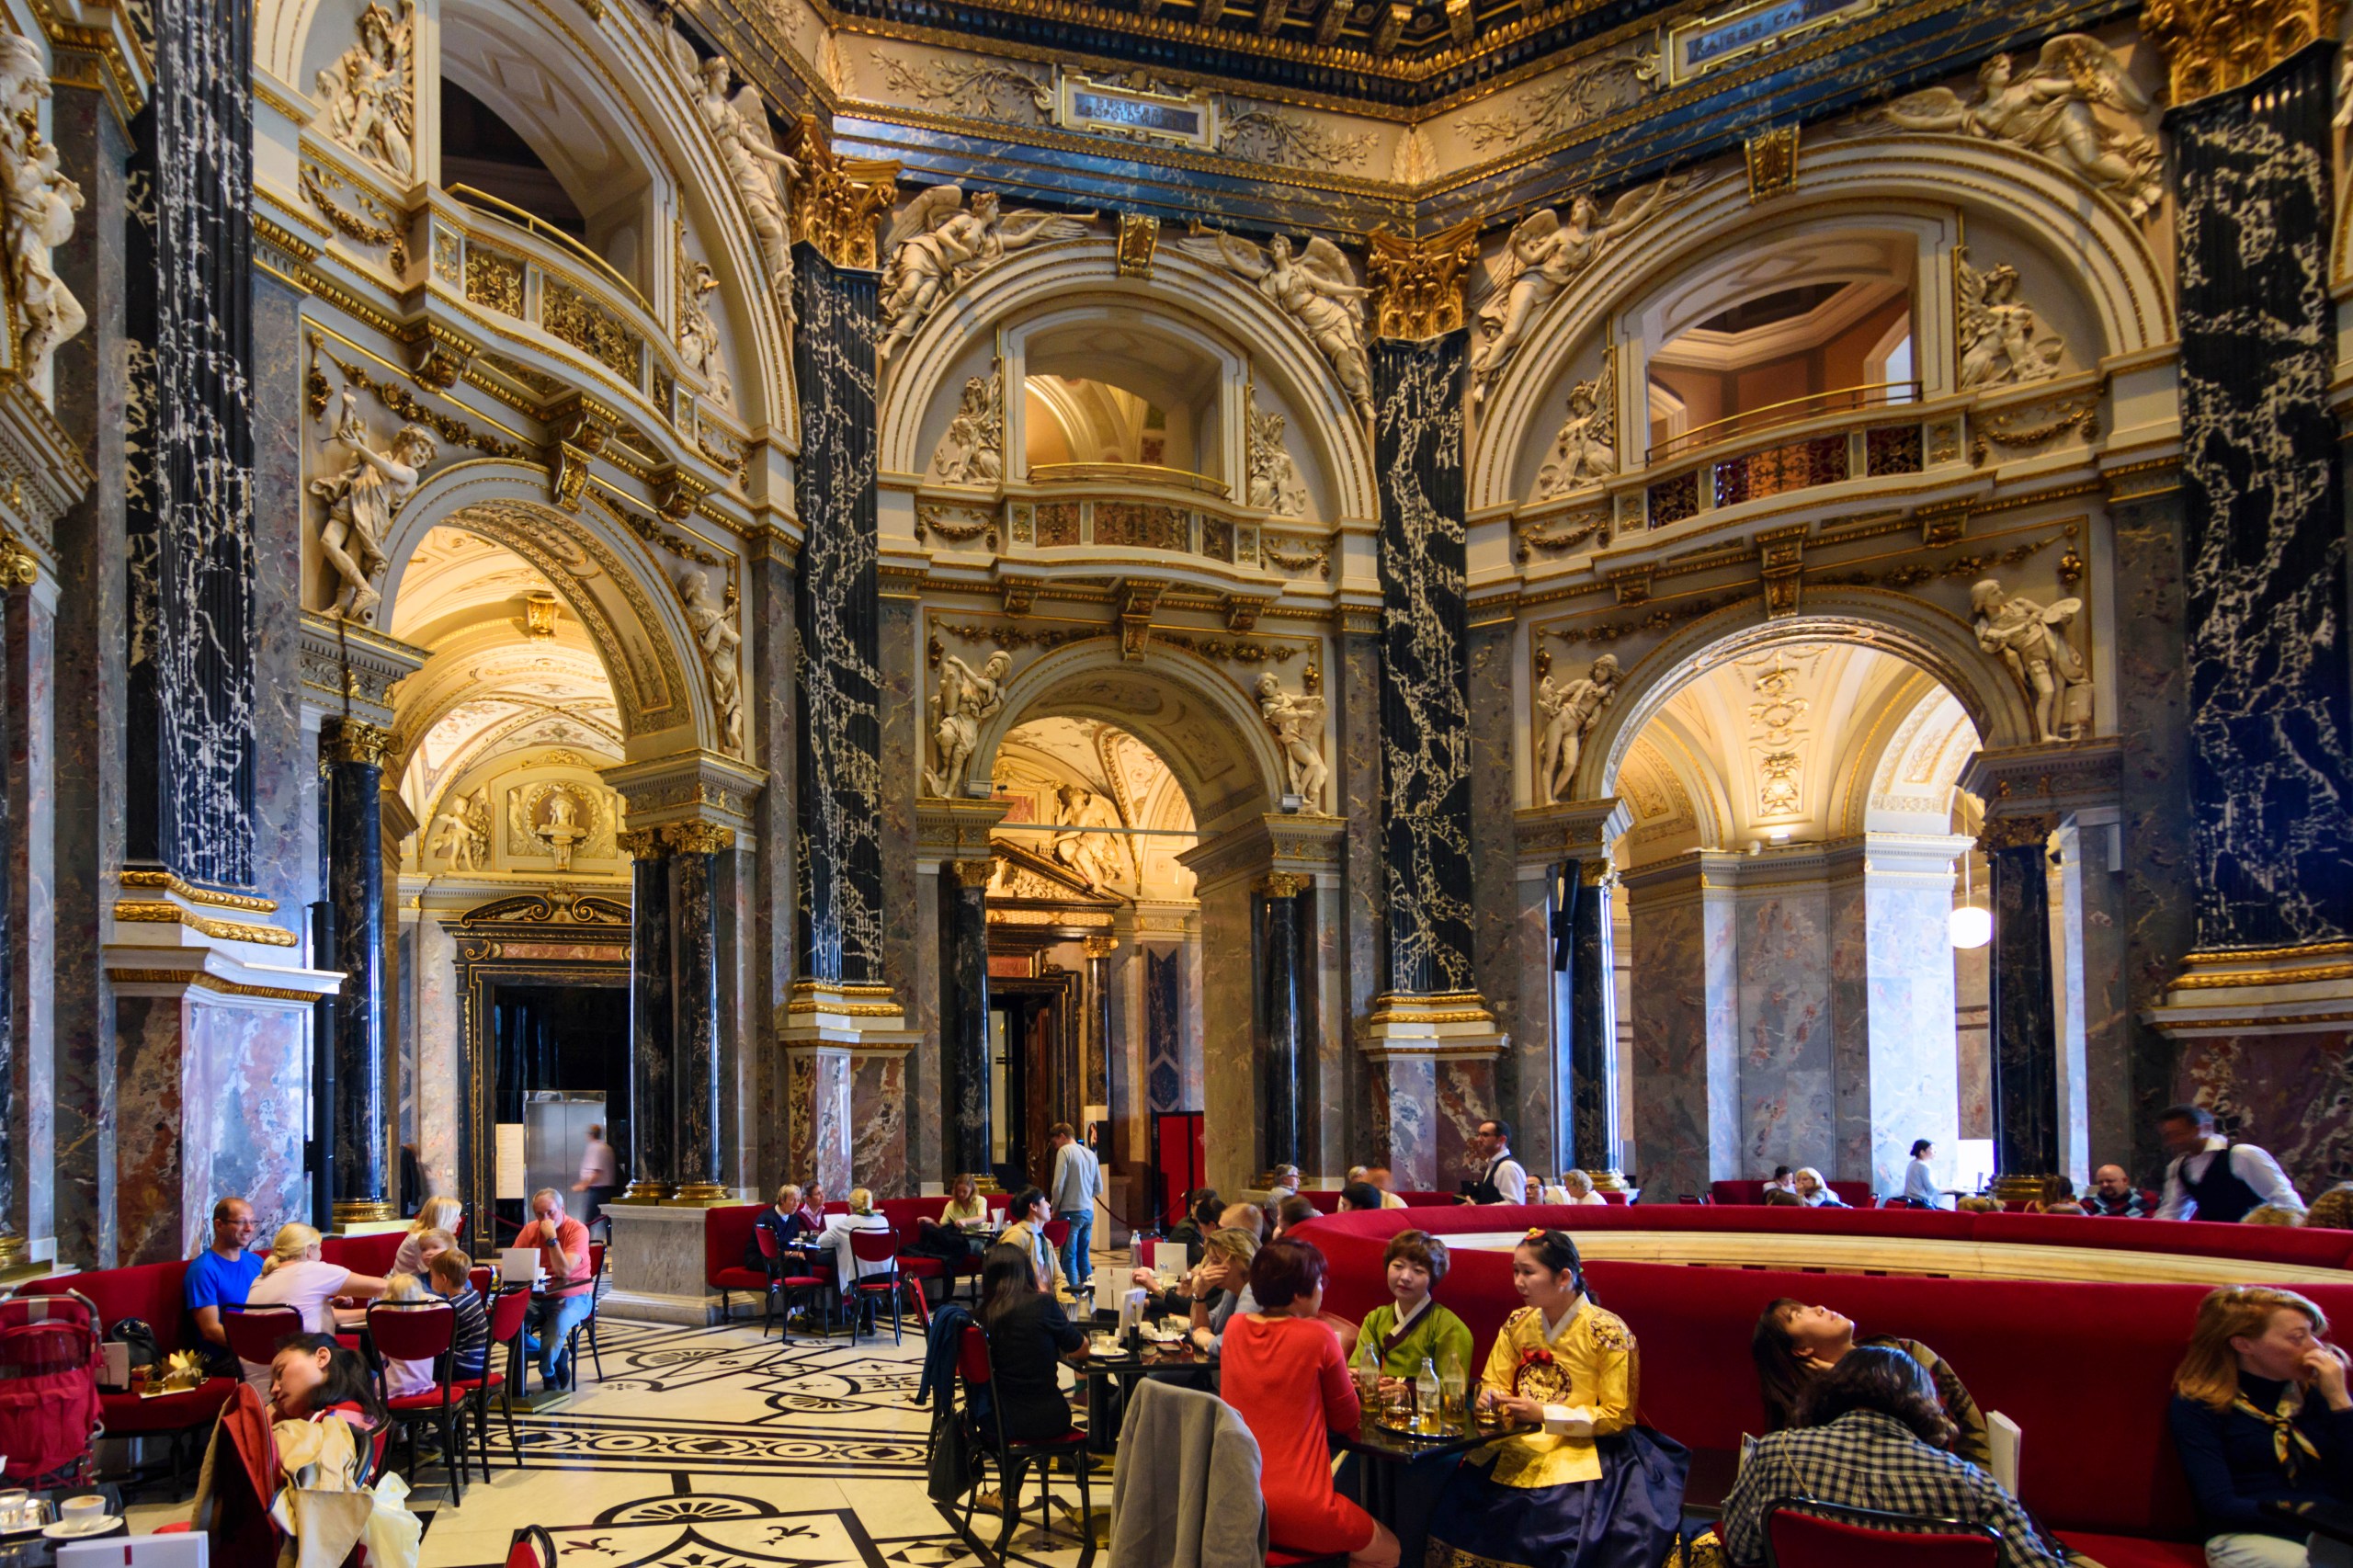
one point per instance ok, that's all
(2211, 46)
(973, 873)
(1418, 285)
(1283, 884)
(355, 740)
(2026, 830)
(835, 202)
(1099, 947)
(697, 837)
(642, 842)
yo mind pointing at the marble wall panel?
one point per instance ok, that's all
(248, 1087)
(2270, 665)
(436, 1008)
(2111, 1109)
(911, 935)
(1405, 1132)
(878, 1110)
(771, 686)
(285, 759)
(32, 915)
(1329, 1141)
(149, 1148)
(1685, 1069)
(1973, 1031)
(1783, 977)
(1914, 1069)
(817, 1088)
(1498, 948)
(2291, 1094)
(1163, 1013)
(1229, 1074)
(1426, 732)
(1356, 689)
(91, 384)
(1463, 1096)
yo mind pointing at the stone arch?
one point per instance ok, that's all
(1936, 644)
(1187, 709)
(1194, 297)
(605, 578)
(1856, 179)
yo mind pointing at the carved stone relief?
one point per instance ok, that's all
(40, 204)
(367, 97)
(746, 145)
(1261, 133)
(1587, 91)
(2031, 639)
(1585, 450)
(979, 89)
(715, 634)
(1317, 289)
(964, 702)
(361, 498)
(1275, 483)
(938, 246)
(1998, 345)
(698, 332)
(462, 832)
(1570, 709)
(1297, 724)
(971, 450)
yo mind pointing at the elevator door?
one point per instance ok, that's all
(555, 1127)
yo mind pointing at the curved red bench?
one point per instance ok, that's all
(2083, 1369)
(154, 1292)
(1853, 1194)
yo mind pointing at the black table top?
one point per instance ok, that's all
(1375, 1441)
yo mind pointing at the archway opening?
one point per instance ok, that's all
(1795, 849)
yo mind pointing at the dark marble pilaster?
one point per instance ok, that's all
(2025, 1040)
(90, 388)
(1282, 994)
(697, 1150)
(917, 1071)
(1592, 1053)
(357, 1157)
(1520, 1070)
(2270, 665)
(964, 1013)
(652, 1025)
(1426, 737)
(838, 875)
(770, 687)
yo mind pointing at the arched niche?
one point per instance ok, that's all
(620, 594)
(1184, 709)
(1939, 645)
(1183, 299)
(1857, 182)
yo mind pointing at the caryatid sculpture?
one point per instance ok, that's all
(1296, 721)
(2031, 639)
(1571, 707)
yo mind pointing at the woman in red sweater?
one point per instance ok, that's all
(1286, 1377)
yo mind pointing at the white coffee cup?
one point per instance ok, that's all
(82, 1509)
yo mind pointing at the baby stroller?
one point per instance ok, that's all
(49, 1362)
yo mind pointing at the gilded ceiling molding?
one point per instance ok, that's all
(1418, 285)
(837, 202)
(2211, 46)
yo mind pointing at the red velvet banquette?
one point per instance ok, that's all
(2083, 1368)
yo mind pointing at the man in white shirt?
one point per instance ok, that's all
(1078, 1177)
(2210, 1177)
(1503, 1180)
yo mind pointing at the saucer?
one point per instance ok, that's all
(76, 1530)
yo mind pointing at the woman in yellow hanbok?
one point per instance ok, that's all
(1593, 1489)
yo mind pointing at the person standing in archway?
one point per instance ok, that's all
(1078, 1178)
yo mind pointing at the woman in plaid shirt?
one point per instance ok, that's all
(1871, 1435)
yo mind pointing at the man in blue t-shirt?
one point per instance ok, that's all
(219, 1277)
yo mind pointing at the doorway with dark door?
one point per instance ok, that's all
(1034, 1030)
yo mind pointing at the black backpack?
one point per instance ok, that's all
(139, 1335)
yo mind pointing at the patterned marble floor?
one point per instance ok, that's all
(715, 1448)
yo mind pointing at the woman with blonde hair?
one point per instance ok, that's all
(442, 1214)
(294, 1274)
(2333, 1209)
(1812, 1191)
(2261, 1417)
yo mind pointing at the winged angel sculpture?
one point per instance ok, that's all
(938, 246)
(2049, 110)
(1316, 287)
(747, 146)
(1545, 254)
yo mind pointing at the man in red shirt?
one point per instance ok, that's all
(570, 1289)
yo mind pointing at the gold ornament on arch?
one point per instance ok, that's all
(2211, 46)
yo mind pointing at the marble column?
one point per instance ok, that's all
(1282, 993)
(2270, 657)
(652, 1113)
(817, 1090)
(1686, 1024)
(359, 1157)
(696, 1071)
(1891, 988)
(1593, 1024)
(2024, 1023)
(964, 1013)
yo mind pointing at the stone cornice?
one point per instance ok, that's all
(688, 786)
(351, 669)
(1571, 830)
(2046, 779)
(1299, 842)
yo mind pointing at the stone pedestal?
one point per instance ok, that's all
(1433, 1060)
(657, 1264)
(846, 1049)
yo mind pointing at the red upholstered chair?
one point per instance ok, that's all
(153, 1292)
(725, 1231)
(1800, 1533)
(254, 1332)
(479, 1276)
(1057, 1233)
(976, 1366)
(881, 1246)
(1278, 1558)
(506, 1310)
(419, 1331)
(533, 1547)
(784, 1288)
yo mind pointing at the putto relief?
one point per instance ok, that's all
(938, 246)
(367, 97)
(40, 204)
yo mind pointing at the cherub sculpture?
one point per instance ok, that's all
(2031, 639)
(1544, 254)
(964, 703)
(367, 102)
(462, 831)
(1998, 347)
(1296, 722)
(971, 450)
(715, 633)
(1316, 287)
(2049, 110)
(1083, 844)
(938, 244)
(747, 146)
(1571, 710)
(1585, 450)
(362, 498)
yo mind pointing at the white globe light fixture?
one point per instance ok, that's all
(1969, 925)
